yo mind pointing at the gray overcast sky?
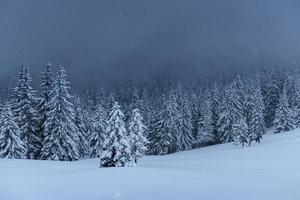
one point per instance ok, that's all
(116, 38)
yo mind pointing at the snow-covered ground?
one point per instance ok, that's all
(270, 170)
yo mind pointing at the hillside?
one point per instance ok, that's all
(270, 170)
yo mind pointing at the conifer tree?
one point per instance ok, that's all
(296, 108)
(195, 112)
(83, 130)
(255, 111)
(46, 87)
(117, 151)
(205, 127)
(24, 110)
(163, 133)
(136, 132)
(291, 90)
(215, 112)
(232, 110)
(99, 134)
(240, 132)
(61, 139)
(11, 145)
(185, 139)
(284, 116)
(272, 93)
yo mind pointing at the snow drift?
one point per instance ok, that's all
(270, 170)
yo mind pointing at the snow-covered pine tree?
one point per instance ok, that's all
(87, 103)
(231, 111)
(185, 139)
(24, 110)
(146, 107)
(195, 112)
(296, 108)
(46, 89)
(291, 90)
(240, 132)
(1, 110)
(271, 91)
(11, 145)
(215, 112)
(117, 146)
(163, 134)
(99, 134)
(135, 100)
(136, 133)
(109, 102)
(284, 120)
(61, 139)
(83, 129)
(205, 134)
(255, 113)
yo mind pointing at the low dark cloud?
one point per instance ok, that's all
(118, 39)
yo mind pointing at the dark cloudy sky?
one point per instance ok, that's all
(99, 39)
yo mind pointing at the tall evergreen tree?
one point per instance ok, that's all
(185, 140)
(163, 129)
(195, 112)
(272, 91)
(291, 90)
(61, 139)
(24, 109)
(296, 108)
(284, 120)
(240, 132)
(46, 89)
(83, 129)
(232, 110)
(99, 134)
(255, 113)
(117, 145)
(136, 132)
(11, 145)
(215, 112)
(205, 134)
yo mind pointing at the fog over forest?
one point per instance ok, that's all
(132, 40)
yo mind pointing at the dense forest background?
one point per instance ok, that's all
(128, 120)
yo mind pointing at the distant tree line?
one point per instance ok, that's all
(120, 126)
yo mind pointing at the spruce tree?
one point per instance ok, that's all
(136, 132)
(271, 91)
(293, 96)
(46, 89)
(232, 110)
(185, 139)
(255, 114)
(240, 132)
(24, 110)
(291, 90)
(284, 116)
(61, 139)
(163, 133)
(296, 108)
(99, 134)
(195, 112)
(117, 151)
(215, 112)
(83, 129)
(11, 145)
(205, 134)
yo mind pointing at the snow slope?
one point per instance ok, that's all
(270, 170)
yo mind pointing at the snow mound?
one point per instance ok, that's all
(270, 170)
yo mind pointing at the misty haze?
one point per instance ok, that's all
(142, 100)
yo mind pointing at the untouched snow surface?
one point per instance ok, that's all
(267, 171)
